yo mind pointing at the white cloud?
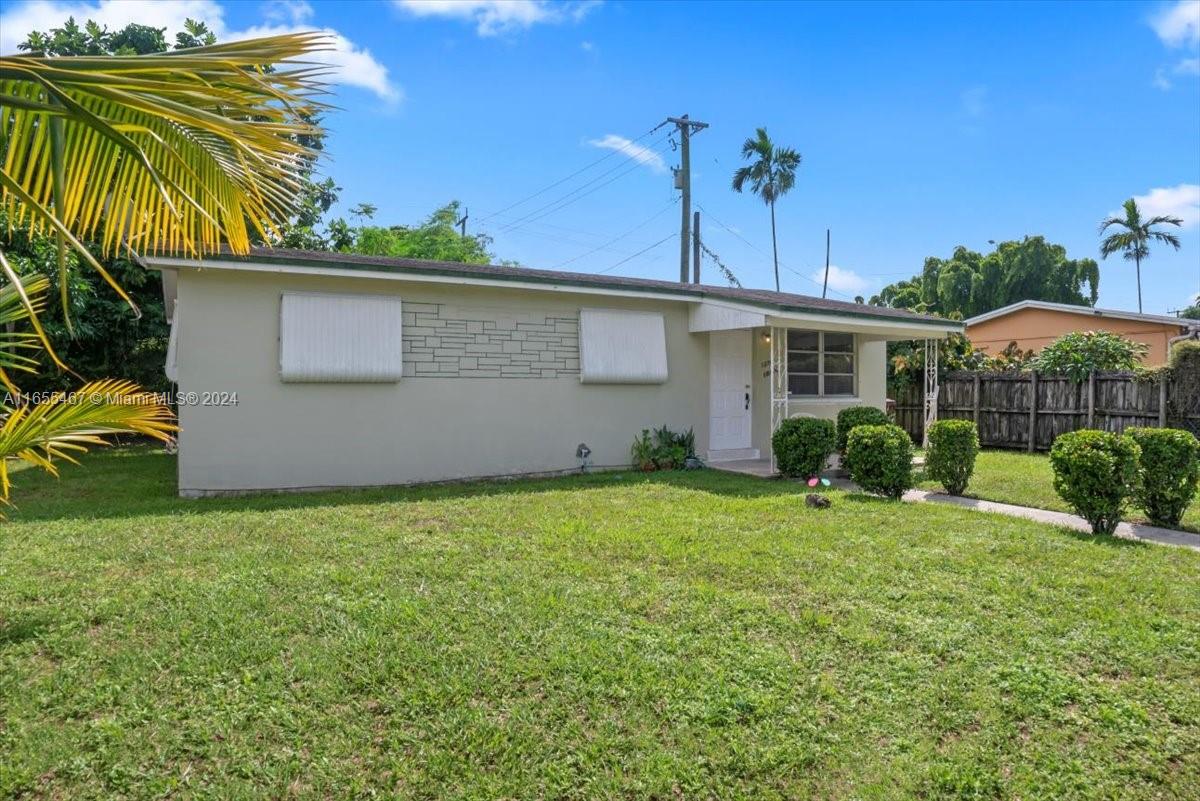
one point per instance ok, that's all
(643, 155)
(294, 12)
(841, 279)
(1188, 66)
(974, 101)
(1182, 201)
(1178, 25)
(497, 17)
(353, 65)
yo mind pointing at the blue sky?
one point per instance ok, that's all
(922, 126)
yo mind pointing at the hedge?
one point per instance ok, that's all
(1095, 472)
(879, 459)
(1168, 469)
(853, 416)
(803, 445)
(950, 459)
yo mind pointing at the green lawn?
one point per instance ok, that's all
(691, 635)
(1026, 479)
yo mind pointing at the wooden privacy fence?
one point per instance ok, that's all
(1010, 406)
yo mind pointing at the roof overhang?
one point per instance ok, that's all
(720, 315)
(704, 314)
(1081, 311)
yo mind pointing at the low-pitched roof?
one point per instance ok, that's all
(782, 301)
(1087, 311)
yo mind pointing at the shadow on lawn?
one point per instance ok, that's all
(140, 481)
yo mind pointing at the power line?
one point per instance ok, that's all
(567, 241)
(763, 253)
(640, 252)
(637, 227)
(566, 200)
(561, 181)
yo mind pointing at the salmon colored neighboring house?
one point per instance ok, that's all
(1033, 324)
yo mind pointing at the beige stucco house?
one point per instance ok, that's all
(302, 370)
(1034, 324)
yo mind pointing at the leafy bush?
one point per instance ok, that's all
(1080, 352)
(879, 459)
(663, 449)
(1095, 472)
(1185, 355)
(668, 439)
(803, 445)
(853, 416)
(1168, 469)
(953, 445)
(643, 451)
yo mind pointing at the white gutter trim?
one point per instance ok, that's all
(816, 319)
(1082, 311)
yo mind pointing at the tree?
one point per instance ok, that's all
(1077, 354)
(1191, 312)
(62, 426)
(772, 175)
(436, 239)
(104, 337)
(1134, 238)
(186, 153)
(970, 283)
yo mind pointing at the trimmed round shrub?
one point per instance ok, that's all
(879, 459)
(1095, 472)
(803, 445)
(1168, 469)
(953, 445)
(853, 416)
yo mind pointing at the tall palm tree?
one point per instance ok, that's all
(771, 175)
(183, 152)
(1134, 237)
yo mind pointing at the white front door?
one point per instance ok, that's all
(729, 360)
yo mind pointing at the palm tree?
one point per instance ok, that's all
(1134, 238)
(62, 426)
(771, 176)
(182, 152)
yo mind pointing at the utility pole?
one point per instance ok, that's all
(696, 248)
(462, 224)
(825, 286)
(686, 128)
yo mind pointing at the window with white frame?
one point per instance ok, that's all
(820, 364)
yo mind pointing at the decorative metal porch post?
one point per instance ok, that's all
(931, 388)
(779, 388)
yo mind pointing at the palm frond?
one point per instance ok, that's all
(159, 153)
(13, 310)
(63, 427)
(1166, 238)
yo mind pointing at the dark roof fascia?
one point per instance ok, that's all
(539, 277)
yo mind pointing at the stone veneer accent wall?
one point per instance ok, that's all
(447, 341)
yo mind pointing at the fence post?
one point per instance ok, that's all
(1033, 388)
(975, 395)
(1091, 418)
(1162, 399)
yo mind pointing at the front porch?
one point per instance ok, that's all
(758, 468)
(767, 367)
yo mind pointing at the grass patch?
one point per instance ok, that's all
(676, 635)
(1026, 479)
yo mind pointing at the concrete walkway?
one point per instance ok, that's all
(1129, 531)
